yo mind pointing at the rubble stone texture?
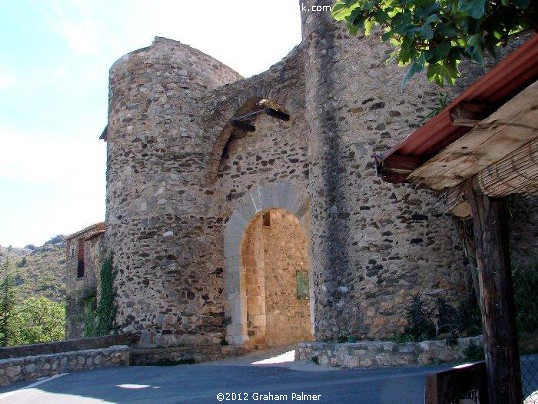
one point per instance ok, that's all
(82, 285)
(275, 250)
(184, 185)
(385, 353)
(14, 370)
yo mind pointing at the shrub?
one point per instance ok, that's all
(419, 327)
(474, 353)
(37, 320)
(427, 319)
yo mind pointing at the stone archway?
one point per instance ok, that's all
(274, 258)
(278, 195)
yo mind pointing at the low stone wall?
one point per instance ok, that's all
(383, 353)
(68, 346)
(33, 367)
(183, 355)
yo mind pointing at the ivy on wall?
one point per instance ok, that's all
(106, 309)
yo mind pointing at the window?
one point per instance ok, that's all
(267, 219)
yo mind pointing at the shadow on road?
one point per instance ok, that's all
(255, 377)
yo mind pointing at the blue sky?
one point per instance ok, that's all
(54, 89)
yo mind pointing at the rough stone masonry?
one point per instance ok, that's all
(197, 155)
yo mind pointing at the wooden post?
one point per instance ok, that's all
(497, 297)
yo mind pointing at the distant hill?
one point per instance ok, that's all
(38, 271)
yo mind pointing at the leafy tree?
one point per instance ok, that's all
(36, 320)
(7, 303)
(438, 34)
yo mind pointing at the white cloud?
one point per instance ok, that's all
(82, 37)
(45, 158)
(51, 184)
(55, 176)
(76, 23)
(7, 79)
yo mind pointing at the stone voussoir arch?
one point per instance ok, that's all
(274, 195)
(225, 111)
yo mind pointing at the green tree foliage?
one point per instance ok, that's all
(22, 263)
(7, 303)
(36, 320)
(438, 35)
(419, 324)
(106, 309)
(90, 319)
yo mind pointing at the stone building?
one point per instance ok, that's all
(84, 257)
(249, 211)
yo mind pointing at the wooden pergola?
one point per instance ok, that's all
(482, 147)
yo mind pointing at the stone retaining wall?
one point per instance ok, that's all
(68, 346)
(383, 353)
(183, 355)
(34, 367)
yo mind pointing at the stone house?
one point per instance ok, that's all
(84, 257)
(249, 211)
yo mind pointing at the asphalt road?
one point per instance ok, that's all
(259, 377)
(203, 383)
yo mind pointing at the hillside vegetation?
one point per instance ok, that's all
(38, 271)
(32, 293)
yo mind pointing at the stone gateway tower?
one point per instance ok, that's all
(249, 212)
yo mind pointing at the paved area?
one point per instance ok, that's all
(255, 378)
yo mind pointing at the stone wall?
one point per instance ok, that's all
(275, 249)
(373, 243)
(168, 282)
(184, 183)
(183, 355)
(168, 139)
(384, 353)
(286, 255)
(82, 291)
(34, 367)
(83, 344)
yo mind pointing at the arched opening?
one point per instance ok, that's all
(239, 125)
(274, 258)
(253, 205)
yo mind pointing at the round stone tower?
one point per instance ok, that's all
(156, 206)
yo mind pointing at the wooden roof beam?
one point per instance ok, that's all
(398, 164)
(277, 114)
(469, 113)
(246, 126)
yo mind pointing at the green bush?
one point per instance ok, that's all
(427, 319)
(419, 327)
(7, 304)
(90, 317)
(36, 320)
(474, 353)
